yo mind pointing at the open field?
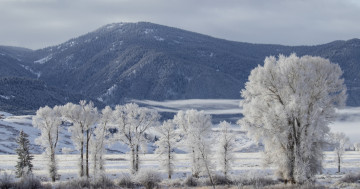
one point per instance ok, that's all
(246, 165)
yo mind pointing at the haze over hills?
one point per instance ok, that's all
(124, 61)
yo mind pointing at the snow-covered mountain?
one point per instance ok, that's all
(123, 61)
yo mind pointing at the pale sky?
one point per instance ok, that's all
(40, 23)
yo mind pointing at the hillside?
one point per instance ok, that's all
(24, 96)
(124, 61)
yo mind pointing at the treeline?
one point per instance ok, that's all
(90, 133)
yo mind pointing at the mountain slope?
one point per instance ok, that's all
(124, 61)
(24, 96)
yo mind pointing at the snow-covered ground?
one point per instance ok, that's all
(348, 121)
(246, 165)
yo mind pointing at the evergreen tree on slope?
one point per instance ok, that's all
(24, 165)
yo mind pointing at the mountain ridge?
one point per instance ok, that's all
(123, 61)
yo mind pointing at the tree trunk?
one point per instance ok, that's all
(169, 161)
(137, 158)
(195, 172)
(87, 152)
(207, 169)
(133, 160)
(225, 163)
(81, 159)
(53, 166)
(339, 161)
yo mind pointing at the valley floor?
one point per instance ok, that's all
(247, 165)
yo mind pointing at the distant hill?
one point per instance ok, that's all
(124, 61)
(24, 96)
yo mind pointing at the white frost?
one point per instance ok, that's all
(43, 60)
(159, 38)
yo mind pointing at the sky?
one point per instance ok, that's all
(40, 23)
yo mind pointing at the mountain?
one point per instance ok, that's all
(24, 96)
(123, 61)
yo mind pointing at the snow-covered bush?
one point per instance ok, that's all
(172, 183)
(30, 182)
(190, 181)
(103, 182)
(148, 178)
(81, 182)
(255, 182)
(357, 146)
(351, 178)
(288, 104)
(6, 180)
(125, 181)
(221, 180)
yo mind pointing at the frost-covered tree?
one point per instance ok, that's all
(166, 146)
(100, 140)
(340, 141)
(83, 117)
(196, 128)
(132, 122)
(24, 165)
(226, 145)
(288, 104)
(357, 146)
(48, 120)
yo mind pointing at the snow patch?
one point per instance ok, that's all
(157, 38)
(109, 92)
(43, 60)
(6, 97)
(209, 106)
(147, 31)
(38, 74)
(69, 58)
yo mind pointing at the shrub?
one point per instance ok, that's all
(172, 182)
(103, 182)
(221, 180)
(82, 182)
(29, 182)
(6, 181)
(125, 181)
(257, 182)
(351, 178)
(190, 181)
(148, 178)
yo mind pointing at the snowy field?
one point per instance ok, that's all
(246, 165)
